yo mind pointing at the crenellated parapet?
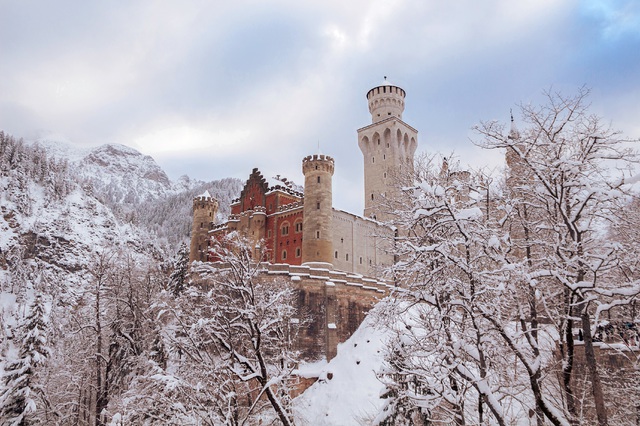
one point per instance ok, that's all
(385, 101)
(317, 162)
(290, 206)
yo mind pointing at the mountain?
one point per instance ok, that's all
(137, 190)
(61, 204)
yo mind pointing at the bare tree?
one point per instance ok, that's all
(568, 176)
(231, 334)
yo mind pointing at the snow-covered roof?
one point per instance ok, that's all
(205, 194)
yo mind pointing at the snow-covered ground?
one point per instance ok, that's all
(347, 391)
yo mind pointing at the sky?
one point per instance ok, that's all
(212, 89)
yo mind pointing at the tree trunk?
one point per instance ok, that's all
(590, 357)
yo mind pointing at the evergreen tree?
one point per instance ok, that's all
(179, 274)
(20, 376)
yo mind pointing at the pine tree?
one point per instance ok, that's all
(179, 274)
(20, 377)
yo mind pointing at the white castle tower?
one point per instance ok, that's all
(317, 243)
(388, 146)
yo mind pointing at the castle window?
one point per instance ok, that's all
(361, 260)
(284, 254)
(298, 252)
(369, 262)
(372, 196)
(335, 254)
(285, 229)
(378, 141)
(269, 233)
(318, 179)
(388, 145)
(388, 113)
(346, 257)
(299, 226)
(384, 156)
(318, 206)
(316, 167)
(373, 159)
(385, 174)
(317, 234)
(342, 240)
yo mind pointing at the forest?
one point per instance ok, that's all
(514, 290)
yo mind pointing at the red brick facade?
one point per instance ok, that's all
(282, 227)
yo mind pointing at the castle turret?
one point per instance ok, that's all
(205, 208)
(317, 241)
(388, 146)
(385, 101)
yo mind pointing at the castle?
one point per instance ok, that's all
(333, 258)
(302, 226)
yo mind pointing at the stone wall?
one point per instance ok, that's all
(618, 368)
(332, 304)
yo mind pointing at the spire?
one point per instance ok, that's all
(513, 131)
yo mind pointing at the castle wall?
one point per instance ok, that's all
(360, 245)
(618, 369)
(334, 304)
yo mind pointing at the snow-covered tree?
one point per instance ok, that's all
(232, 334)
(571, 175)
(20, 378)
(177, 280)
(463, 351)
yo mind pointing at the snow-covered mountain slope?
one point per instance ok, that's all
(52, 230)
(119, 174)
(136, 189)
(348, 390)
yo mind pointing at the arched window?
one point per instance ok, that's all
(284, 254)
(284, 229)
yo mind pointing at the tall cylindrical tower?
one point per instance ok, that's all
(388, 146)
(317, 240)
(205, 208)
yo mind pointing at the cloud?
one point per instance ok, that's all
(217, 88)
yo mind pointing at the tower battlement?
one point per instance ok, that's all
(318, 162)
(385, 101)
